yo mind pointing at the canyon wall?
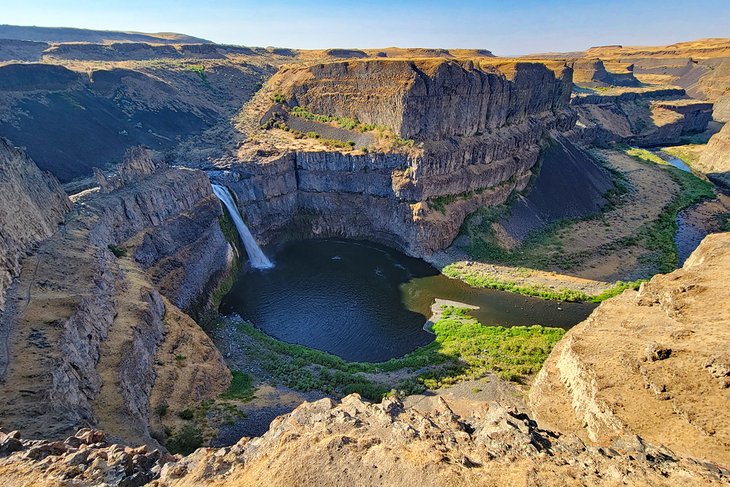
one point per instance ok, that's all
(653, 363)
(429, 99)
(478, 130)
(32, 206)
(715, 158)
(89, 339)
(645, 117)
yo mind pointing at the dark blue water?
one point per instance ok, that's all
(366, 302)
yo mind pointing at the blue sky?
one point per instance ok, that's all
(505, 27)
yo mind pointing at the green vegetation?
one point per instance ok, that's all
(644, 155)
(241, 387)
(546, 249)
(570, 295)
(463, 349)
(689, 153)
(186, 440)
(278, 98)
(346, 123)
(298, 134)
(659, 236)
(185, 414)
(383, 134)
(199, 69)
(117, 251)
(161, 409)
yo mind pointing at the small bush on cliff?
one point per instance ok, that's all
(117, 251)
(161, 409)
(278, 98)
(185, 414)
(185, 441)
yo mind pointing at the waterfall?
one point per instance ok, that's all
(255, 254)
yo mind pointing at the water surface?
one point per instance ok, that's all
(366, 302)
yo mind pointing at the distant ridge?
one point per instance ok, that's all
(72, 34)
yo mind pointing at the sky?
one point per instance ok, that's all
(505, 27)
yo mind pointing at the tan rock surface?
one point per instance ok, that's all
(653, 363)
(715, 158)
(356, 443)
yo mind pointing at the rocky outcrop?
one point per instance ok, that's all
(31, 207)
(715, 158)
(358, 443)
(90, 338)
(594, 72)
(652, 363)
(644, 117)
(86, 458)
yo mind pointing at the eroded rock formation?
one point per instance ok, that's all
(357, 443)
(653, 363)
(31, 207)
(644, 117)
(715, 158)
(89, 337)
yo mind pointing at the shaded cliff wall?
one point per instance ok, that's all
(90, 338)
(644, 118)
(31, 207)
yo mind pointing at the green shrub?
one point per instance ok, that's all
(185, 414)
(278, 98)
(185, 441)
(117, 251)
(161, 409)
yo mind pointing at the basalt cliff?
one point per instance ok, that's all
(467, 134)
(94, 322)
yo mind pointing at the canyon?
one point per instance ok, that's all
(182, 156)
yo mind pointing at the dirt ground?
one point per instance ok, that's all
(597, 246)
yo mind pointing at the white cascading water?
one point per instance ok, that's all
(255, 254)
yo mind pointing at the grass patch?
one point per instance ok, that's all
(478, 280)
(644, 155)
(241, 387)
(689, 154)
(463, 350)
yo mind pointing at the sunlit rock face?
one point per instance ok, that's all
(477, 129)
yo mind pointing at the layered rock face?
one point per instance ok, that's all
(653, 363)
(595, 72)
(89, 338)
(715, 158)
(478, 130)
(31, 207)
(644, 117)
(429, 99)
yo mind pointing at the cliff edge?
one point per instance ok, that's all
(32, 205)
(653, 363)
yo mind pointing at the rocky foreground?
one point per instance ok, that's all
(358, 443)
(635, 395)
